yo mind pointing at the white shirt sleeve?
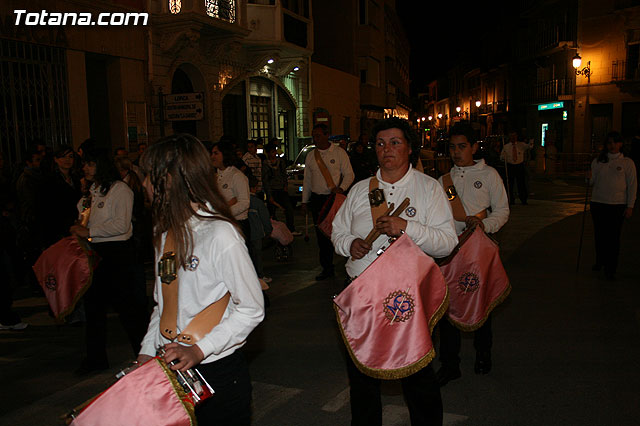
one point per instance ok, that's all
(437, 237)
(118, 222)
(499, 214)
(240, 186)
(246, 306)
(341, 235)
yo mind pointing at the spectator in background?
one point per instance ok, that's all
(110, 230)
(362, 162)
(141, 148)
(254, 163)
(9, 320)
(515, 154)
(233, 184)
(274, 179)
(63, 190)
(614, 181)
(29, 192)
(260, 228)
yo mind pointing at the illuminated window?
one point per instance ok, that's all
(175, 6)
(222, 9)
(260, 113)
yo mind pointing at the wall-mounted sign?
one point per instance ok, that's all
(184, 106)
(552, 105)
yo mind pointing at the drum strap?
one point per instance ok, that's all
(456, 203)
(376, 200)
(202, 323)
(323, 169)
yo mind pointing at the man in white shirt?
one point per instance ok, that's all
(485, 204)
(514, 153)
(316, 191)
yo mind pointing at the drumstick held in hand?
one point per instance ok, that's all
(374, 234)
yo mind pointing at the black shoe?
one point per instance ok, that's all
(324, 275)
(88, 367)
(447, 374)
(483, 363)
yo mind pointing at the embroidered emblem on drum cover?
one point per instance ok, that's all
(333, 161)
(477, 184)
(398, 306)
(469, 282)
(225, 186)
(410, 211)
(193, 263)
(101, 204)
(50, 282)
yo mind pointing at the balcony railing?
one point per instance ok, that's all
(620, 71)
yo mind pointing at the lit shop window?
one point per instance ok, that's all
(175, 6)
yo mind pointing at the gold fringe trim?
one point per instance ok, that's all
(180, 393)
(473, 327)
(398, 373)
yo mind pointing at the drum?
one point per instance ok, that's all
(387, 314)
(476, 279)
(148, 394)
(64, 271)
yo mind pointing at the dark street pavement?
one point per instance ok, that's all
(566, 343)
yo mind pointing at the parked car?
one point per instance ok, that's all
(295, 174)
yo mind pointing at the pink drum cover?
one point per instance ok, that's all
(387, 314)
(476, 279)
(143, 397)
(326, 224)
(64, 271)
(281, 233)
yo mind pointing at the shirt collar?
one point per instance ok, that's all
(477, 165)
(404, 180)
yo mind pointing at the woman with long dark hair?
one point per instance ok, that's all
(614, 181)
(109, 230)
(213, 270)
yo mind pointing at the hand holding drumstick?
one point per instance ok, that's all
(389, 224)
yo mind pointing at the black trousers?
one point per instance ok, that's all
(231, 403)
(450, 341)
(607, 227)
(421, 393)
(516, 174)
(324, 243)
(114, 286)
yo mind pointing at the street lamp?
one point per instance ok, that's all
(458, 109)
(440, 115)
(478, 103)
(586, 71)
(430, 117)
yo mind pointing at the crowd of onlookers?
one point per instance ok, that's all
(39, 200)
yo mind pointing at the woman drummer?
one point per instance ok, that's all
(213, 261)
(427, 221)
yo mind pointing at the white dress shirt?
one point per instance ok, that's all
(223, 265)
(429, 219)
(338, 164)
(233, 183)
(615, 181)
(110, 218)
(507, 152)
(480, 187)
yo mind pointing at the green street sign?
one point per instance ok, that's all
(552, 105)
